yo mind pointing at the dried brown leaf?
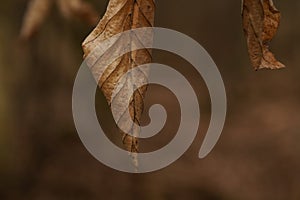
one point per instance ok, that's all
(260, 22)
(35, 15)
(122, 15)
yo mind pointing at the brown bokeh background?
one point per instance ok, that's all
(257, 156)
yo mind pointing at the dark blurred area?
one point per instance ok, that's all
(257, 156)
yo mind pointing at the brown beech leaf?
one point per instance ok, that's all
(35, 15)
(260, 22)
(122, 15)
